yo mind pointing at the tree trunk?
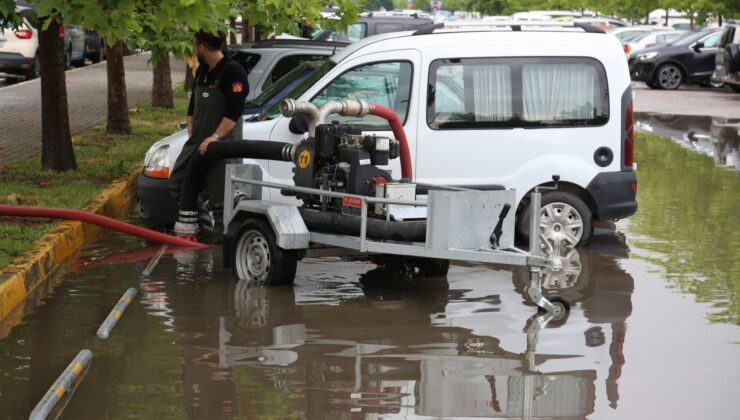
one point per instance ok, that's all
(118, 121)
(56, 141)
(162, 82)
(246, 32)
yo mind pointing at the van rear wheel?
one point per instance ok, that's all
(565, 220)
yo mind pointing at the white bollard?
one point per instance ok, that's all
(66, 384)
(115, 314)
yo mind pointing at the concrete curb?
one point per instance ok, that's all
(26, 272)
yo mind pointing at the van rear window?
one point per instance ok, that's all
(517, 93)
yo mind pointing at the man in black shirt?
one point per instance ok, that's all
(214, 113)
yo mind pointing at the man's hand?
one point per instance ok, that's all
(204, 145)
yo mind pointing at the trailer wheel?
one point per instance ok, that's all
(563, 311)
(257, 258)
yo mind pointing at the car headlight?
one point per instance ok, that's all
(646, 56)
(157, 165)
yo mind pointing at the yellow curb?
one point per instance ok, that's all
(26, 272)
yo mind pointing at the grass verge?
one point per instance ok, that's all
(101, 159)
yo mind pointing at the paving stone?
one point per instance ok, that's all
(20, 105)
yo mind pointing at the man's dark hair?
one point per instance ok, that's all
(212, 41)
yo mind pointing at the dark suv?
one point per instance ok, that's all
(687, 60)
(373, 24)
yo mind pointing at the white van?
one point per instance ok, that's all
(488, 108)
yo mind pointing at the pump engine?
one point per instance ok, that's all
(340, 158)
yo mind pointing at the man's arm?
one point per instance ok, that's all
(224, 128)
(191, 108)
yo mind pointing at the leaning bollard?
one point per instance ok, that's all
(115, 314)
(66, 384)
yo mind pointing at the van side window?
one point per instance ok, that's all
(557, 92)
(516, 93)
(387, 84)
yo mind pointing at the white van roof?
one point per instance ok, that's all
(490, 33)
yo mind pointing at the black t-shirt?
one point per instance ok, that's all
(232, 84)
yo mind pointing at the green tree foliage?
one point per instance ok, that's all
(8, 16)
(285, 16)
(116, 20)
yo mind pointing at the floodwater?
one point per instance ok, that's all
(717, 138)
(653, 331)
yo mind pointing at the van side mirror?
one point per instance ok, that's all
(298, 124)
(698, 46)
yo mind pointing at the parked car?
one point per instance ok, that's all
(629, 31)
(727, 60)
(74, 46)
(374, 23)
(602, 22)
(93, 46)
(279, 90)
(19, 52)
(687, 60)
(274, 68)
(646, 39)
(487, 109)
(268, 61)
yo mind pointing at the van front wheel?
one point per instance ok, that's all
(565, 220)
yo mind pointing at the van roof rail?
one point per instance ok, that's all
(297, 43)
(515, 25)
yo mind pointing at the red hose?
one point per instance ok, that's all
(95, 219)
(399, 134)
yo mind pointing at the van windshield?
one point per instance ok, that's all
(325, 67)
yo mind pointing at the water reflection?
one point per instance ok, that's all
(401, 346)
(688, 217)
(718, 138)
(348, 341)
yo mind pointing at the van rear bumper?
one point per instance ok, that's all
(615, 194)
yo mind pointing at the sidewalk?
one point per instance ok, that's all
(20, 105)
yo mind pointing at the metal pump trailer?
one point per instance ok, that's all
(352, 206)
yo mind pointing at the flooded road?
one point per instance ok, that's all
(653, 331)
(717, 138)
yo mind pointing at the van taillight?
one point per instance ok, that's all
(629, 141)
(627, 48)
(23, 34)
